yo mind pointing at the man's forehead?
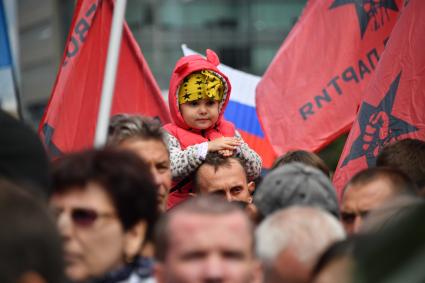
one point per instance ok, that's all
(233, 170)
(374, 187)
(148, 149)
(186, 221)
(203, 217)
(368, 195)
(207, 230)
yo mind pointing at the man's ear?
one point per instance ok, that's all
(133, 239)
(251, 187)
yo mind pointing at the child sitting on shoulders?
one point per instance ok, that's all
(197, 97)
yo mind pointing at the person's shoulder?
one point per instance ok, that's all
(170, 138)
(169, 127)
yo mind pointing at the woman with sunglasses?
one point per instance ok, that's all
(105, 203)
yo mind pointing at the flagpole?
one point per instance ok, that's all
(110, 73)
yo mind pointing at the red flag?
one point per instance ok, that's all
(393, 107)
(69, 121)
(310, 92)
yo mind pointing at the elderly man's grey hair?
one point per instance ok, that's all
(307, 231)
(123, 127)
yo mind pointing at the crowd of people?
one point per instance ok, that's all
(185, 203)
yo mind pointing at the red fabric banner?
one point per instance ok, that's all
(393, 107)
(310, 93)
(69, 121)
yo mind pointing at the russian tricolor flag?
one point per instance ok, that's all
(242, 112)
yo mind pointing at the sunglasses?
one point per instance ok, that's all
(84, 217)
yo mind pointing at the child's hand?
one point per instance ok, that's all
(226, 152)
(224, 143)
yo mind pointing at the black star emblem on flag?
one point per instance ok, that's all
(367, 10)
(378, 126)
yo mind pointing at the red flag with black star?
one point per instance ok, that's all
(393, 107)
(310, 93)
(69, 121)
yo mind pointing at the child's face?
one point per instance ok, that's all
(200, 114)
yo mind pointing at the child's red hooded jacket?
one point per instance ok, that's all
(180, 130)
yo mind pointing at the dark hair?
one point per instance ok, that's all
(390, 213)
(123, 176)
(216, 160)
(210, 205)
(408, 156)
(23, 159)
(396, 251)
(306, 157)
(123, 127)
(400, 182)
(339, 249)
(29, 240)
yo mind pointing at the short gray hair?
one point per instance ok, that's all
(125, 126)
(307, 230)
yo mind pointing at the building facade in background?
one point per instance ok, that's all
(246, 34)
